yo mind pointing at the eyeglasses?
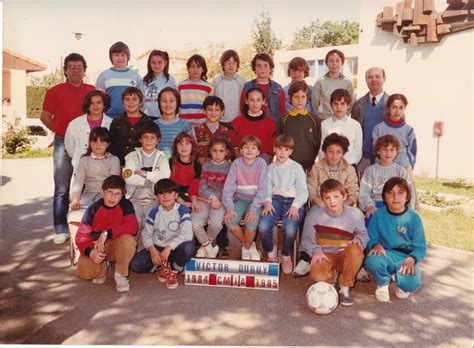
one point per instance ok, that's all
(75, 67)
(230, 62)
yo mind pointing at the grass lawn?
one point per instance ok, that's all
(36, 153)
(451, 228)
(457, 187)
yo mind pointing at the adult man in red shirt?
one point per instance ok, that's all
(62, 103)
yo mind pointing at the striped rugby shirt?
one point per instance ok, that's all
(324, 231)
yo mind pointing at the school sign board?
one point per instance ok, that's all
(232, 274)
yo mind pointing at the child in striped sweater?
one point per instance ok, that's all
(211, 212)
(335, 238)
(169, 102)
(194, 90)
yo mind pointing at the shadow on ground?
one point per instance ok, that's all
(42, 302)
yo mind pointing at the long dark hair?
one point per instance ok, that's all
(175, 155)
(101, 133)
(150, 74)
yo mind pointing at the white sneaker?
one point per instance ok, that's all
(273, 255)
(401, 294)
(201, 252)
(61, 238)
(99, 280)
(254, 254)
(301, 269)
(121, 282)
(382, 294)
(245, 253)
(212, 251)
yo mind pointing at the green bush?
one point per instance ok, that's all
(37, 130)
(17, 140)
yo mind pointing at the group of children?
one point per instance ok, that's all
(239, 157)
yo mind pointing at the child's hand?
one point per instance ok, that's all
(165, 253)
(96, 256)
(75, 204)
(230, 216)
(140, 172)
(215, 203)
(292, 213)
(377, 250)
(370, 210)
(408, 266)
(99, 244)
(195, 205)
(356, 242)
(251, 217)
(318, 258)
(268, 209)
(155, 255)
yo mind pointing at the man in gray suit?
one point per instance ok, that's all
(369, 111)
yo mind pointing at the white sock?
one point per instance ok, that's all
(345, 290)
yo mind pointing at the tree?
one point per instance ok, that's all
(326, 34)
(264, 39)
(214, 52)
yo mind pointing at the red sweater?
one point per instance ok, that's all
(187, 176)
(262, 127)
(117, 221)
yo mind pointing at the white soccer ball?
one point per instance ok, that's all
(322, 298)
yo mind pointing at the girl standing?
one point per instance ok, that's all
(76, 139)
(169, 102)
(155, 80)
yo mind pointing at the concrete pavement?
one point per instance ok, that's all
(42, 302)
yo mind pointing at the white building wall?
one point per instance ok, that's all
(437, 79)
(18, 93)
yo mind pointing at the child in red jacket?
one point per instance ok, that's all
(106, 233)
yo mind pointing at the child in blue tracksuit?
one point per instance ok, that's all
(397, 242)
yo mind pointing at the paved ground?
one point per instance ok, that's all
(41, 300)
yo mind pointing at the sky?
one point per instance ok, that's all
(43, 29)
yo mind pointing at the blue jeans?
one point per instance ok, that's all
(289, 227)
(62, 180)
(179, 257)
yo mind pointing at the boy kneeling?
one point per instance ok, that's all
(397, 242)
(167, 236)
(335, 238)
(106, 233)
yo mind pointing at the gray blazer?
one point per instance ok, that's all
(358, 109)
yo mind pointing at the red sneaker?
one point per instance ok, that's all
(165, 270)
(172, 281)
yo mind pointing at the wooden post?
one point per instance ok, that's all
(431, 34)
(399, 13)
(428, 6)
(418, 17)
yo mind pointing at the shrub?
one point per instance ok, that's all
(37, 130)
(16, 140)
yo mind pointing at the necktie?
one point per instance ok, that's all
(373, 101)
